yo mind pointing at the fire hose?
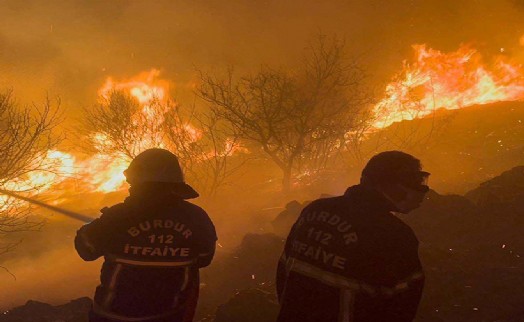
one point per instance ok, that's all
(68, 213)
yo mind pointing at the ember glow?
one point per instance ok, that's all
(98, 172)
(448, 80)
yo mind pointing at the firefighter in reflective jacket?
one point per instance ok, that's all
(153, 246)
(349, 258)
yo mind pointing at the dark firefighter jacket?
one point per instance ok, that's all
(349, 259)
(153, 246)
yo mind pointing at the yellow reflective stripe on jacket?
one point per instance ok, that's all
(111, 287)
(402, 285)
(107, 314)
(347, 302)
(86, 241)
(301, 267)
(121, 260)
(338, 281)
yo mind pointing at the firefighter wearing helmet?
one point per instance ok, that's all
(153, 246)
(349, 258)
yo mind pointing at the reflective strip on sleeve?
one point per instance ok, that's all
(87, 243)
(326, 277)
(402, 285)
(342, 282)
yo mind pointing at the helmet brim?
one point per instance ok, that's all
(184, 191)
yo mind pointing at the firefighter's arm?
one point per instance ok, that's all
(207, 242)
(282, 273)
(91, 238)
(404, 304)
(281, 276)
(407, 281)
(205, 258)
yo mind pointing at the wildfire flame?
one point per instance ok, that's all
(55, 167)
(100, 172)
(105, 173)
(433, 80)
(447, 80)
(107, 170)
(145, 87)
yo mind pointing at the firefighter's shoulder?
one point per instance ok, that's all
(195, 210)
(113, 212)
(325, 203)
(394, 236)
(199, 216)
(399, 227)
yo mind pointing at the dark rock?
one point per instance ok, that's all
(252, 265)
(505, 188)
(34, 311)
(445, 220)
(252, 305)
(285, 219)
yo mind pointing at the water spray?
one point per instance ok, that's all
(68, 213)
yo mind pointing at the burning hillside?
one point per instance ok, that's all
(431, 81)
(98, 172)
(451, 81)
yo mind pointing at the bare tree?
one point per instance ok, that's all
(298, 119)
(208, 148)
(26, 136)
(120, 125)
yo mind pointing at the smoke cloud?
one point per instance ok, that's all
(68, 48)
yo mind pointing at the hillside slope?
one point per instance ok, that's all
(461, 148)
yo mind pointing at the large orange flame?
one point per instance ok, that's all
(145, 87)
(54, 168)
(448, 80)
(106, 171)
(433, 80)
(99, 172)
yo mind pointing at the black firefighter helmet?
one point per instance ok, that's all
(159, 166)
(396, 167)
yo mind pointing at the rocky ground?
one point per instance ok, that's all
(74, 311)
(471, 247)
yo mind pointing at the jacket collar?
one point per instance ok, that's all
(151, 196)
(369, 198)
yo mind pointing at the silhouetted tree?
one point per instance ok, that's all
(211, 151)
(299, 119)
(121, 126)
(25, 139)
